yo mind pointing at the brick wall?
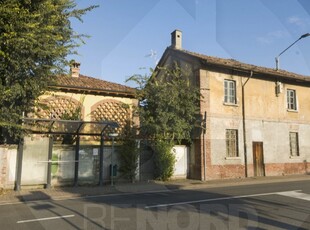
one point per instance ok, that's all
(275, 169)
(225, 171)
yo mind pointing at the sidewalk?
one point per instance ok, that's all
(58, 193)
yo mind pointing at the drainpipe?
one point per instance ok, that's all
(204, 127)
(244, 128)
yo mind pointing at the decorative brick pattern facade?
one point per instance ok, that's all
(56, 106)
(112, 110)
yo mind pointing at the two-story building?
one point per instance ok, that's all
(257, 118)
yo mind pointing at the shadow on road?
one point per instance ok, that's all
(169, 207)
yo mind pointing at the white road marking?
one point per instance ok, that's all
(215, 199)
(43, 219)
(296, 194)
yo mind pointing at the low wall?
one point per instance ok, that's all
(63, 161)
(7, 166)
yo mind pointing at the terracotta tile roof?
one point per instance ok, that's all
(85, 83)
(231, 63)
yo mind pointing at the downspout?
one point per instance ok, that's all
(244, 128)
(204, 127)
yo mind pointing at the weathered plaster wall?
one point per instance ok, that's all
(267, 121)
(218, 142)
(7, 166)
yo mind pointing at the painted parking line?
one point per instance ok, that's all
(296, 194)
(44, 219)
(216, 199)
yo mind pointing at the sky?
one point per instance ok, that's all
(129, 37)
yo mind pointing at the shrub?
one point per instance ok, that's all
(129, 152)
(163, 160)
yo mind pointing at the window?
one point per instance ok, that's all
(294, 147)
(232, 143)
(291, 99)
(230, 91)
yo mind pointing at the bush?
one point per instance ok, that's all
(163, 160)
(129, 152)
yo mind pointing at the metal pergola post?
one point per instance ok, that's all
(101, 160)
(19, 164)
(77, 157)
(49, 163)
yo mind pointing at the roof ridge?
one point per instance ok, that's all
(82, 75)
(230, 62)
(90, 83)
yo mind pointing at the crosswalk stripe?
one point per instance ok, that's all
(296, 194)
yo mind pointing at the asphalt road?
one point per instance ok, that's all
(284, 205)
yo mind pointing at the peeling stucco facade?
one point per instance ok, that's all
(267, 120)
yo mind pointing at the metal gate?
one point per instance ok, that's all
(181, 164)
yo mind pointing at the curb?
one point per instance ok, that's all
(24, 196)
(240, 181)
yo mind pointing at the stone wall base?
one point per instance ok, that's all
(287, 169)
(238, 171)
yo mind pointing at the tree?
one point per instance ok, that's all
(168, 111)
(35, 39)
(169, 104)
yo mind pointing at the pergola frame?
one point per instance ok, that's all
(63, 127)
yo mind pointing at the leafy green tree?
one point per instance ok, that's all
(168, 111)
(169, 103)
(35, 39)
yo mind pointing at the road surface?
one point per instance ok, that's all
(283, 205)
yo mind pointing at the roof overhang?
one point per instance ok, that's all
(94, 91)
(231, 64)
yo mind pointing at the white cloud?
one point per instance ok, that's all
(271, 37)
(264, 40)
(294, 20)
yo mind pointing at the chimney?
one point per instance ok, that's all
(75, 69)
(176, 39)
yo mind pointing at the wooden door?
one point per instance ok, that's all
(258, 159)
